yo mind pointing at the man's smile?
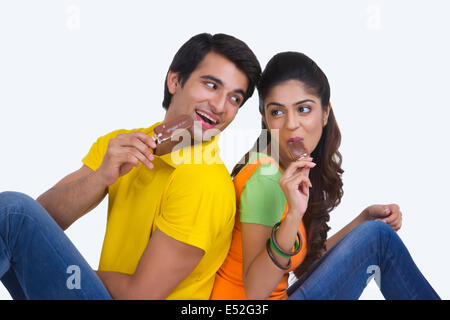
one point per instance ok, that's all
(208, 119)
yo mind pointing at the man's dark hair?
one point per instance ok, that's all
(195, 49)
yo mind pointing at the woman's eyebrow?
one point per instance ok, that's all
(303, 101)
(282, 105)
(274, 104)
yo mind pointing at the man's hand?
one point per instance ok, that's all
(124, 152)
(389, 213)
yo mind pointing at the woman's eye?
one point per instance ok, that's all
(275, 112)
(301, 109)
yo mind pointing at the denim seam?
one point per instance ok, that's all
(398, 271)
(352, 275)
(44, 236)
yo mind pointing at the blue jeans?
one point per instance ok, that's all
(37, 259)
(372, 250)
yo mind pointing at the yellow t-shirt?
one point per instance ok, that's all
(189, 198)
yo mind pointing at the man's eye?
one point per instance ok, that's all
(212, 85)
(236, 99)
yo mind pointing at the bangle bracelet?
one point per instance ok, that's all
(276, 250)
(280, 251)
(275, 260)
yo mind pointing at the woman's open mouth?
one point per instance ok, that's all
(208, 121)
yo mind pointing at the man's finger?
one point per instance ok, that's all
(137, 143)
(132, 152)
(147, 139)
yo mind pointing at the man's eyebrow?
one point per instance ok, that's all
(282, 105)
(209, 77)
(220, 82)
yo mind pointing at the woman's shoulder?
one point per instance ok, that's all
(267, 168)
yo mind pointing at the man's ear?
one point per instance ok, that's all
(173, 81)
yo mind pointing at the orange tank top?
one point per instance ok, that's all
(228, 284)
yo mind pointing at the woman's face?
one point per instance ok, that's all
(296, 113)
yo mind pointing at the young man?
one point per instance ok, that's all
(169, 222)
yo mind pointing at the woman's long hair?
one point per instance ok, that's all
(327, 191)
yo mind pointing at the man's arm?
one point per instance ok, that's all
(165, 263)
(74, 196)
(84, 189)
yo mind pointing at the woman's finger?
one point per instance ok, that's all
(294, 166)
(299, 180)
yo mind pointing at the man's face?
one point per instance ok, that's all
(212, 95)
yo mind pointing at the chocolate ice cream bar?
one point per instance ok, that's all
(164, 132)
(297, 150)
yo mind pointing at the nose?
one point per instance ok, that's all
(218, 102)
(292, 121)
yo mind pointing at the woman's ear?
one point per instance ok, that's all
(173, 82)
(326, 114)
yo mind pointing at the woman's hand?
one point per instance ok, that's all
(295, 184)
(389, 213)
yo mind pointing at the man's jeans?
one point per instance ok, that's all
(372, 250)
(37, 259)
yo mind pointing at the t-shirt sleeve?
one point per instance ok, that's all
(198, 204)
(262, 199)
(95, 156)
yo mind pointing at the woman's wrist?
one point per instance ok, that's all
(364, 215)
(294, 216)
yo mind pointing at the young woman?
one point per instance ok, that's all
(284, 206)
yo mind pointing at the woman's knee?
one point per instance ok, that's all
(375, 228)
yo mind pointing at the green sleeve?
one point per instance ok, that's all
(262, 200)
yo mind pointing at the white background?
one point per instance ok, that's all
(71, 71)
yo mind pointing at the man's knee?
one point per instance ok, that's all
(14, 201)
(13, 198)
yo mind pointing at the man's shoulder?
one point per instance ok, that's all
(215, 174)
(204, 170)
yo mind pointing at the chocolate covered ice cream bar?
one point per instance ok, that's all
(165, 131)
(297, 150)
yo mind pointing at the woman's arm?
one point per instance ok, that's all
(389, 213)
(363, 216)
(260, 275)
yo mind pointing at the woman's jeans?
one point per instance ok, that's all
(37, 259)
(372, 250)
